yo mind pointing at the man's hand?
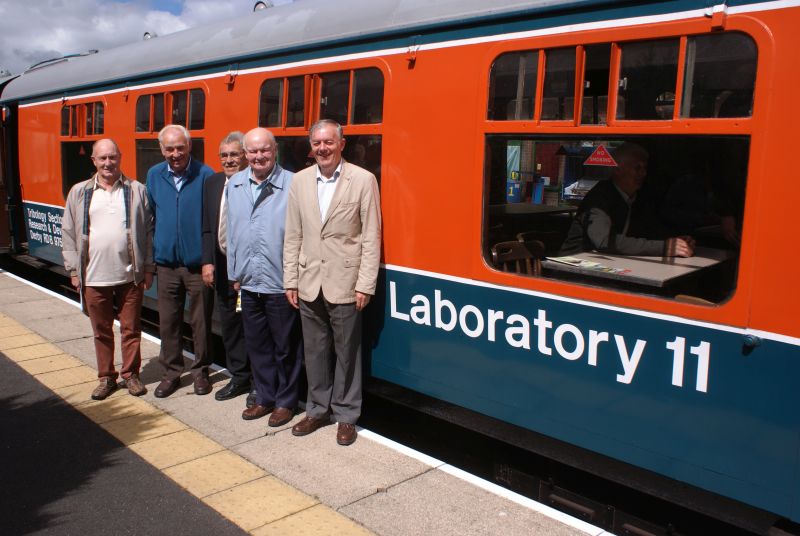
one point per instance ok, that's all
(148, 280)
(75, 282)
(682, 246)
(208, 275)
(237, 286)
(291, 295)
(361, 300)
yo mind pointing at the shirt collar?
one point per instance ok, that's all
(629, 199)
(185, 170)
(336, 173)
(96, 183)
(271, 178)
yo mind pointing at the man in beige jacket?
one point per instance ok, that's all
(107, 245)
(331, 257)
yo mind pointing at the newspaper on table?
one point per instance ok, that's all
(588, 265)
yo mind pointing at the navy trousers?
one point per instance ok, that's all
(275, 347)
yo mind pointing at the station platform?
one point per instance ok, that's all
(189, 464)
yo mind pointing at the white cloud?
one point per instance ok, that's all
(36, 30)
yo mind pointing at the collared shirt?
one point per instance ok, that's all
(222, 229)
(325, 190)
(257, 187)
(178, 177)
(109, 259)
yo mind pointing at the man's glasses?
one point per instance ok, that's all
(230, 155)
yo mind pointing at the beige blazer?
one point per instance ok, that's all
(340, 255)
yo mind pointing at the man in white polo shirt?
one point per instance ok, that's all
(107, 233)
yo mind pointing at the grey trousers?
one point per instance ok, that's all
(332, 339)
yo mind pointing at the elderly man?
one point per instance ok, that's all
(256, 215)
(215, 268)
(107, 236)
(331, 257)
(175, 190)
(606, 219)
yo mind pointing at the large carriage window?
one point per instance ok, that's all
(148, 154)
(296, 102)
(512, 86)
(186, 108)
(558, 98)
(648, 76)
(82, 119)
(720, 76)
(555, 209)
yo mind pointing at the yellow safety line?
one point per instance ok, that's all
(239, 490)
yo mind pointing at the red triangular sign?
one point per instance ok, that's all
(600, 157)
(82, 152)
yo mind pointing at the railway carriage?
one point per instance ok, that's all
(486, 124)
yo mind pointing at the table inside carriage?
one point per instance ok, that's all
(655, 272)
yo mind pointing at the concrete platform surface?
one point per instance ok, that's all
(265, 480)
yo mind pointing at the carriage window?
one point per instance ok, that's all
(364, 151)
(148, 154)
(512, 86)
(335, 93)
(540, 191)
(720, 76)
(197, 109)
(595, 84)
(179, 107)
(76, 164)
(270, 105)
(82, 119)
(158, 112)
(648, 77)
(367, 105)
(143, 114)
(295, 113)
(186, 108)
(558, 99)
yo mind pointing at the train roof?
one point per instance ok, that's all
(302, 25)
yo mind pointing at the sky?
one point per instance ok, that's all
(36, 30)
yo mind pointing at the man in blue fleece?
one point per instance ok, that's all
(175, 189)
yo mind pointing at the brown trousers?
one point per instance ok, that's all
(100, 303)
(174, 286)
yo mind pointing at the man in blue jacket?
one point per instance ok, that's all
(175, 190)
(256, 218)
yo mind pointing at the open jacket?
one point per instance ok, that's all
(75, 229)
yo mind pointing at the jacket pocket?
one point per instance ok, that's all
(352, 262)
(302, 260)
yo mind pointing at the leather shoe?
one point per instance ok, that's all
(232, 390)
(166, 388)
(308, 425)
(251, 399)
(346, 434)
(280, 416)
(104, 388)
(201, 385)
(134, 385)
(256, 412)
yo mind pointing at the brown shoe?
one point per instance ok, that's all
(308, 425)
(256, 412)
(280, 416)
(135, 386)
(346, 434)
(166, 388)
(201, 384)
(104, 388)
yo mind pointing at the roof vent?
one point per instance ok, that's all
(262, 4)
(149, 35)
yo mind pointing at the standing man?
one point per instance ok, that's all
(331, 257)
(175, 189)
(215, 268)
(107, 239)
(257, 200)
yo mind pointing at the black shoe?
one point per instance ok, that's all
(232, 390)
(251, 399)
